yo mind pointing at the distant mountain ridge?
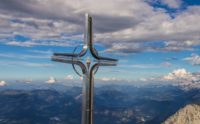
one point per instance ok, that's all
(190, 114)
(113, 104)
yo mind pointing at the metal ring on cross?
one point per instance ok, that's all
(74, 66)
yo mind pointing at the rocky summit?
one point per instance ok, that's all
(190, 114)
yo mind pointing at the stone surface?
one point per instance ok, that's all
(190, 114)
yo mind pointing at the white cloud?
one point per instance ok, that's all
(127, 25)
(166, 64)
(143, 79)
(69, 77)
(178, 74)
(81, 78)
(180, 46)
(28, 81)
(36, 43)
(167, 46)
(108, 79)
(161, 25)
(43, 52)
(25, 56)
(141, 66)
(2, 83)
(183, 79)
(51, 80)
(125, 47)
(25, 63)
(194, 59)
(17, 43)
(172, 3)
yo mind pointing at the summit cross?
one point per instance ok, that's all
(89, 61)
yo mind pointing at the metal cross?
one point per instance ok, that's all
(84, 59)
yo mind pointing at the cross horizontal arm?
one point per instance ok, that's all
(66, 54)
(82, 53)
(106, 63)
(103, 58)
(70, 61)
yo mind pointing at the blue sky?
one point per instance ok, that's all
(151, 38)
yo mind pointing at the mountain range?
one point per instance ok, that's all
(113, 104)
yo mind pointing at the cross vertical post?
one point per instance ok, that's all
(87, 70)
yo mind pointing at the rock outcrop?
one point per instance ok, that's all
(190, 114)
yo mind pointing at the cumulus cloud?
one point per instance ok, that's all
(128, 25)
(161, 27)
(51, 80)
(69, 77)
(178, 74)
(194, 59)
(183, 78)
(2, 83)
